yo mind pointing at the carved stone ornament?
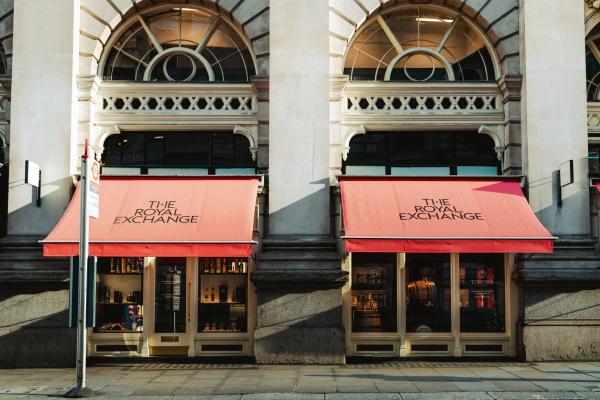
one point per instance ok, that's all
(593, 3)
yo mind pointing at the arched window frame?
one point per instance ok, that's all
(376, 17)
(142, 15)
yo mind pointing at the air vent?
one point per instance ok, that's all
(429, 347)
(487, 348)
(223, 347)
(116, 347)
(375, 348)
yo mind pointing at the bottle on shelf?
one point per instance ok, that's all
(244, 266)
(118, 266)
(234, 265)
(128, 265)
(218, 265)
(206, 295)
(212, 266)
(233, 299)
(212, 295)
(240, 267)
(205, 266)
(112, 265)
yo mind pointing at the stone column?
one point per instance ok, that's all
(43, 111)
(299, 117)
(554, 111)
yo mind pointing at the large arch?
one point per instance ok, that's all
(100, 18)
(499, 21)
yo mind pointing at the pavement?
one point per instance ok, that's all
(402, 380)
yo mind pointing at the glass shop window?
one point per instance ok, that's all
(223, 298)
(481, 293)
(374, 292)
(119, 296)
(428, 293)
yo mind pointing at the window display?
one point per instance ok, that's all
(222, 291)
(428, 293)
(481, 292)
(170, 295)
(119, 301)
(373, 292)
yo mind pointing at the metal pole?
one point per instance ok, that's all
(80, 390)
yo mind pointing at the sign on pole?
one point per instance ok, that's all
(94, 194)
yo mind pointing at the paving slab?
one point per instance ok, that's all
(447, 396)
(363, 396)
(536, 396)
(283, 396)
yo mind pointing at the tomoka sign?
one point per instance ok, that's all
(157, 212)
(438, 209)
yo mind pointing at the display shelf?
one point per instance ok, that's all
(224, 273)
(120, 273)
(216, 303)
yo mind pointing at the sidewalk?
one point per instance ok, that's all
(390, 380)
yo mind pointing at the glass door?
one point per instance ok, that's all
(171, 292)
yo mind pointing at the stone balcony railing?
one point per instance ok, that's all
(593, 113)
(404, 101)
(174, 101)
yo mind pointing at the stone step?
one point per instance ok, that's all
(299, 243)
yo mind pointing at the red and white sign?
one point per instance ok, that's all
(94, 194)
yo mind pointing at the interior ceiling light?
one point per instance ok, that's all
(426, 19)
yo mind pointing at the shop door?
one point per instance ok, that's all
(172, 307)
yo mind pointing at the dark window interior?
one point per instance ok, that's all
(178, 150)
(422, 149)
(3, 193)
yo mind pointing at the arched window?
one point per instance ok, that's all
(421, 154)
(592, 58)
(179, 45)
(183, 153)
(419, 44)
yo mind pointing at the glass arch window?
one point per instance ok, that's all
(421, 154)
(184, 153)
(179, 45)
(419, 44)
(592, 63)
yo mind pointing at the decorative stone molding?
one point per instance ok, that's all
(250, 133)
(497, 134)
(337, 84)
(510, 86)
(105, 132)
(407, 106)
(593, 3)
(348, 132)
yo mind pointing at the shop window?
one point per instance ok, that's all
(482, 293)
(428, 293)
(177, 153)
(170, 295)
(119, 296)
(419, 44)
(223, 295)
(421, 154)
(374, 292)
(187, 44)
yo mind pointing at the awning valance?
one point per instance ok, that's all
(164, 216)
(439, 215)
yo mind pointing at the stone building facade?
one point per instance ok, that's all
(309, 90)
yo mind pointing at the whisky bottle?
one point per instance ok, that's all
(212, 265)
(212, 295)
(128, 266)
(233, 299)
(218, 265)
(239, 268)
(118, 266)
(112, 265)
(206, 295)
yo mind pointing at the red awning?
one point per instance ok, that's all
(164, 216)
(439, 215)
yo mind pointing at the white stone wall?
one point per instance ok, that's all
(554, 111)
(299, 118)
(42, 117)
